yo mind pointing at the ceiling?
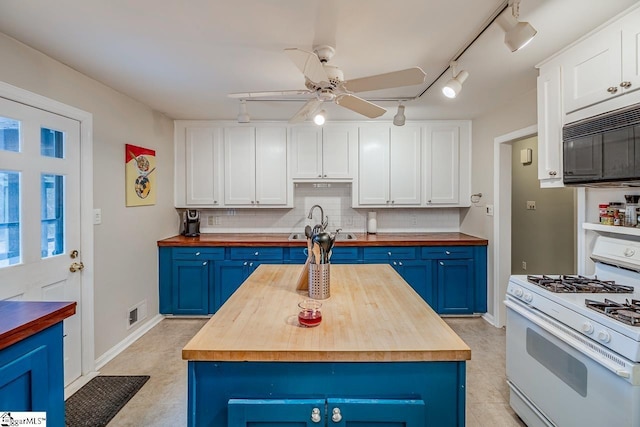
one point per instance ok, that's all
(182, 58)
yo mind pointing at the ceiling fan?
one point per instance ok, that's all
(326, 83)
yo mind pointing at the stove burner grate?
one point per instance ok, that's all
(627, 312)
(578, 284)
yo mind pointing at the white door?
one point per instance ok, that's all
(240, 166)
(337, 154)
(271, 166)
(40, 214)
(405, 161)
(442, 164)
(306, 152)
(373, 170)
(202, 155)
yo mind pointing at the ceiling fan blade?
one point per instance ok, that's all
(309, 64)
(309, 107)
(244, 95)
(360, 106)
(408, 77)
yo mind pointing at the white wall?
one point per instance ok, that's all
(519, 114)
(126, 271)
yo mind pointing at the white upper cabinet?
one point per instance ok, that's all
(549, 128)
(198, 166)
(327, 152)
(604, 65)
(389, 166)
(442, 164)
(255, 164)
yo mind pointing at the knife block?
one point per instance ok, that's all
(303, 278)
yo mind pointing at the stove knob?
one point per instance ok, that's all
(528, 297)
(587, 328)
(604, 336)
(518, 292)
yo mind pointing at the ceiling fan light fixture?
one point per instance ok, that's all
(320, 117)
(454, 86)
(243, 116)
(399, 118)
(516, 34)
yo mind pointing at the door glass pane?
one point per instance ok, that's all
(9, 218)
(9, 134)
(52, 215)
(51, 143)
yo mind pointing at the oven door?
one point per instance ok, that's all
(559, 378)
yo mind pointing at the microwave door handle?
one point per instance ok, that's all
(554, 328)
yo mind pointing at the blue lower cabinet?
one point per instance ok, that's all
(418, 274)
(229, 275)
(455, 286)
(330, 412)
(31, 375)
(190, 287)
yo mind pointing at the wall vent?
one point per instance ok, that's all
(136, 313)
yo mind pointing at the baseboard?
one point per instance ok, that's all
(77, 384)
(122, 345)
(489, 318)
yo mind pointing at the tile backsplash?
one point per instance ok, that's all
(335, 200)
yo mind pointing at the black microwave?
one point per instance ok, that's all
(603, 150)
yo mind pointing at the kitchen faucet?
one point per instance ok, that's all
(323, 221)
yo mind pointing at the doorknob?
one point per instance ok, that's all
(74, 254)
(76, 266)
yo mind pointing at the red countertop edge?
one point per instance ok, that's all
(281, 239)
(22, 319)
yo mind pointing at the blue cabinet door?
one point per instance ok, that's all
(190, 288)
(378, 412)
(229, 276)
(418, 274)
(455, 286)
(276, 412)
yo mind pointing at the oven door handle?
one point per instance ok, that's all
(554, 328)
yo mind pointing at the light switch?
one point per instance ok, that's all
(97, 216)
(531, 205)
(489, 210)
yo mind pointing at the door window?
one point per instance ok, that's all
(10, 252)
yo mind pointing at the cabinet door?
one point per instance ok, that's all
(190, 287)
(239, 166)
(592, 70)
(338, 142)
(271, 166)
(550, 128)
(618, 158)
(582, 159)
(203, 172)
(442, 166)
(373, 148)
(306, 152)
(378, 412)
(418, 274)
(404, 168)
(276, 412)
(229, 275)
(631, 51)
(455, 286)
(24, 381)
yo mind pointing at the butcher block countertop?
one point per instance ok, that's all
(282, 239)
(373, 315)
(22, 319)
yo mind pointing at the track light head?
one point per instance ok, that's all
(399, 118)
(320, 118)
(516, 34)
(454, 86)
(243, 116)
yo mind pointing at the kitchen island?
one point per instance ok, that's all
(380, 354)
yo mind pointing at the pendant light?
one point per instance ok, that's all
(399, 118)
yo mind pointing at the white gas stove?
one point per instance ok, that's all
(573, 342)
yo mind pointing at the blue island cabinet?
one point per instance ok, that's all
(340, 394)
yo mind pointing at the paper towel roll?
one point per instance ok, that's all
(372, 223)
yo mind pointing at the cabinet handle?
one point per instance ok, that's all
(245, 263)
(612, 89)
(252, 202)
(257, 253)
(315, 415)
(336, 416)
(389, 253)
(250, 264)
(258, 201)
(393, 201)
(553, 173)
(324, 176)
(447, 252)
(197, 253)
(204, 263)
(625, 85)
(400, 263)
(395, 263)
(441, 263)
(215, 202)
(319, 176)
(428, 201)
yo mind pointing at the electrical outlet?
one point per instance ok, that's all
(97, 216)
(524, 265)
(210, 220)
(531, 205)
(217, 221)
(414, 220)
(489, 210)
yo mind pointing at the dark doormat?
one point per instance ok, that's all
(99, 400)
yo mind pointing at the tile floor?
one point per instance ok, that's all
(163, 399)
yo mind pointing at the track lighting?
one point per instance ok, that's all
(320, 117)
(243, 116)
(399, 118)
(516, 34)
(454, 86)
